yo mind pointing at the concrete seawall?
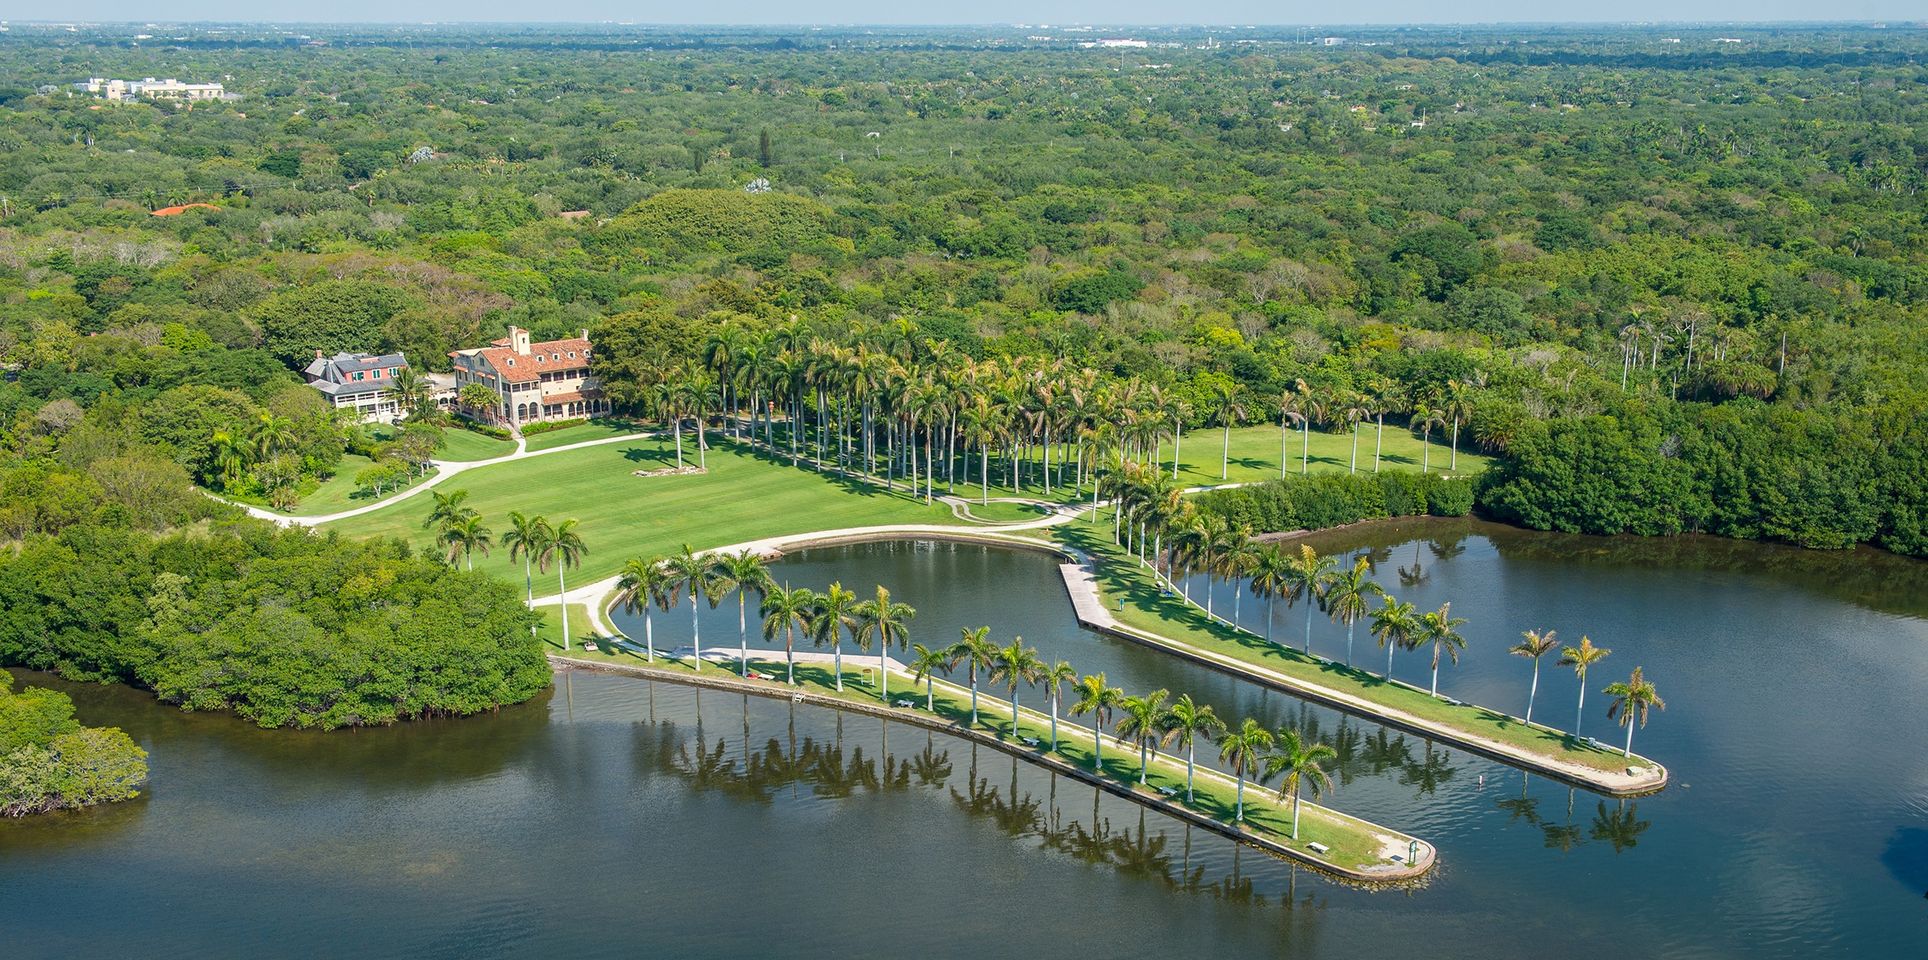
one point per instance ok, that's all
(1392, 874)
(1088, 602)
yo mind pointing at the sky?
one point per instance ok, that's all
(981, 11)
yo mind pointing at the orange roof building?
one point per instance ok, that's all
(183, 208)
(533, 381)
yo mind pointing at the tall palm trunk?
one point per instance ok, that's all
(984, 473)
(1378, 441)
(1532, 691)
(1628, 750)
(1225, 454)
(1295, 813)
(789, 655)
(696, 632)
(1355, 448)
(562, 607)
(1238, 809)
(1054, 720)
(836, 655)
(649, 636)
(1581, 710)
(1350, 624)
(883, 675)
(973, 694)
(1097, 745)
(1191, 765)
(1305, 447)
(529, 584)
(742, 639)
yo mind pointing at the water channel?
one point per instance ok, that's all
(617, 813)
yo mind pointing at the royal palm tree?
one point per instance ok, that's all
(646, 583)
(1143, 721)
(1098, 699)
(465, 536)
(1015, 665)
(1396, 624)
(1054, 677)
(925, 663)
(832, 614)
(1533, 645)
(1346, 595)
(563, 548)
(1441, 629)
(1581, 658)
(741, 573)
(888, 623)
(1300, 762)
(447, 508)
(1271, 576)
(975, 651)
(1186, 723)
(1308, 575)
(1227, 408)
(524, 539)
(1631, 701)
(786, 611)
(1243, 748)
(693, 571)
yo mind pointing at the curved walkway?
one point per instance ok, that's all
(1089, 607)
(602, 594)
(1092, 612)
(444, 469)
(1393, 845)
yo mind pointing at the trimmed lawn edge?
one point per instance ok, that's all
(1257, 799)
(1357, 702)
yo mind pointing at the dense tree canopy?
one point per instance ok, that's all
(1629, 268)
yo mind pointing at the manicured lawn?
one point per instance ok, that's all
(593, 430)
(1354, 843)
(1119, 576)
(997, 512)
(466, 446)
(1254, 456)
(338, 492)
(741, 498)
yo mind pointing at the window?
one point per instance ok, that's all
(358, 376)
(538, 358)
(511, 361)
(572, 354)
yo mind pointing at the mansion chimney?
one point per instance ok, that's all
(519, 341)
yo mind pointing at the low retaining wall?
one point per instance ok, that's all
(1091, 611)
(1398, 875)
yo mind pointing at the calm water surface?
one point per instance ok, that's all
(618, 816)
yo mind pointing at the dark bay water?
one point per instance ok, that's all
(602, 821)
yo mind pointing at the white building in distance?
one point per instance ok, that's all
(151, 89)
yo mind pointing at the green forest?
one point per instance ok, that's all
(1664, 287)
(1671, 286)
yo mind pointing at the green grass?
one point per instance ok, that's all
(593, 430)
(1354, 843)
(741, 498)
(998, 512)
(1254, 456)
(338, 493)
(1118, 576)
(466, 446)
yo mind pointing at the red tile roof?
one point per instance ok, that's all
(554, 355)
(183, 208)
(570, 397)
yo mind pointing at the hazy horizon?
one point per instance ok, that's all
(1121, 13)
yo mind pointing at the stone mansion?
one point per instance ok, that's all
(536, 382)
